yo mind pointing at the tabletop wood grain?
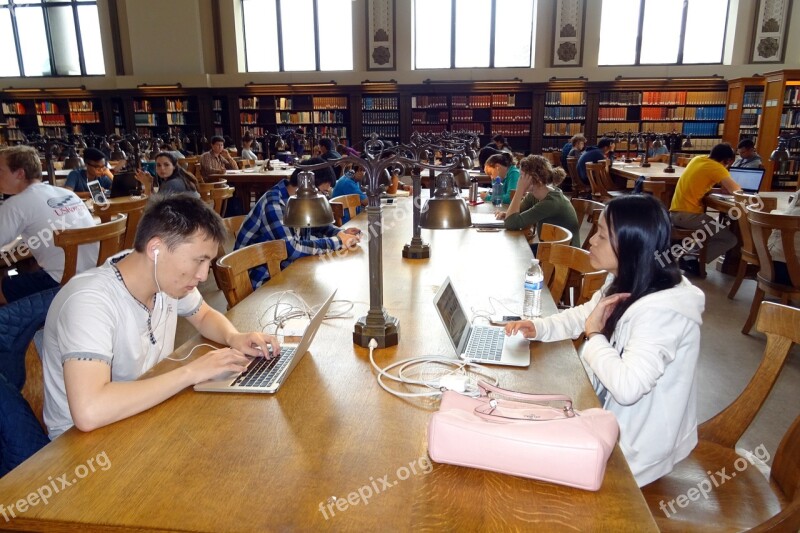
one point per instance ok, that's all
(330, 438)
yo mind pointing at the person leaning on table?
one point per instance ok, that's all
(217, 160)
(109, 325)
(643, 336)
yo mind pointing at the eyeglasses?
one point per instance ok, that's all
(98, 167)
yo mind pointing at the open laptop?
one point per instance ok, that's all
(124, 184)
(264, 375)
(486, 220)
(749, 179)
(480, 343)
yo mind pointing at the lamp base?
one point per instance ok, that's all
(628, 160)
(417, 251)
(669, 170)
(387, 334)
(644, 165)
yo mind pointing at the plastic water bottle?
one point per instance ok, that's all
(534, 280)
(497, 192)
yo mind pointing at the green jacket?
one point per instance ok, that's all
(554, 209)
(509, 184)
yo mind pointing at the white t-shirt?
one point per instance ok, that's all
(95, 317)
(774, 243)
(35, 214)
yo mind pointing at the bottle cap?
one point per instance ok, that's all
(534, 261)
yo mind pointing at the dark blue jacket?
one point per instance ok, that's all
(593, 154)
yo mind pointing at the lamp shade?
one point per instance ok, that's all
(446, 210)
(307, 208)
(780, 154)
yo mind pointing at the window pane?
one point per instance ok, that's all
(661, 32)
(619, 28)
(261, 35)
(514, 32)
(65, 41)
(33, 42)
(8, 59)
(90, 38)
(297, 30)
(705, 31)
(473, 31)
(335, 34)
(432, 29)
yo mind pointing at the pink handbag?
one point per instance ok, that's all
(523, 438)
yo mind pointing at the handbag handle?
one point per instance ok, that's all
(486, 388)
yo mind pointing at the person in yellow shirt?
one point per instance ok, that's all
(687, 211)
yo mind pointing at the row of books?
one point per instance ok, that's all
(702, 128)
(142, 106)
(511, 115)
(297, 117)
(753, 99)
(244, 103)
(255, 131)
(612, 114)
(430, 128)
(429, 102)
(609, 127)
(81, 105)
(379, 103)
(335, 117)
(178, 119)
(565, 113)
(792, 95)
(381, 130)
(145, 119)
(471, 127)
(427, 117)
(562, 129)
(177, 105)
(13, 108)
(51, 120)
(462, 114)
(511, 130)
(790, 118)
(620, 98)
(329, 131)
(750, 117)
(329, 102)
(379, 117)
(565, 98)
(216, 104)
(86, 117)
(681, 113)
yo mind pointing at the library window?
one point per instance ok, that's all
(50, 38)
(298, 35)
(662, 32)
(473, 33)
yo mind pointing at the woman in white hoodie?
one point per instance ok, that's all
(643, 336)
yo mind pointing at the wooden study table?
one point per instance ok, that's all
(249, 462)
(249, 181)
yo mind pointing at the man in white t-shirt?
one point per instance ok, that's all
(110, 325)
(35, 212)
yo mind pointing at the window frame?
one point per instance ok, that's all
(679, 61)
(11, 6)
(492, 35)
(279, 34)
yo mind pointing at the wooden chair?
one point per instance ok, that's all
(220, 196)
(749, 501)
(233, 225)
(657, 189)
(748, 250)
(578, 187)
(761, 225)
(234, 279)
(565, 260)
(551, 234)
(350, 202)
(204, 189)
(603, 188)
(683, 160)
(588, 211)
(679, 236)
(108, 234)
(33, 390)
(134, 208)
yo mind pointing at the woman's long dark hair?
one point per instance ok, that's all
(639, 230)
(179, 173)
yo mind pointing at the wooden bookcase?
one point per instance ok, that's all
(780, 118)
(743, 110)
(379, 114)
(175, 114)
(564, 116)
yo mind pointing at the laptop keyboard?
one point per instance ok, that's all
(263, 372)
(485, 343)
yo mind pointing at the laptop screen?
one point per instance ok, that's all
(749, 179)
(451, 312)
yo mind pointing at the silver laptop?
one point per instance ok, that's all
(486, 220)
(480, 343)
(749, 179)
(267, 375)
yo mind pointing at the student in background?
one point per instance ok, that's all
(594, 154)
(349, 183)
(96, 169)
(217, 160)
(501, 166)
(574, 148)
(110, 325)
(34, 212)
(499, 142)
(658, 154)
(247, 143)
(687, 210)
(171, 175)
(643, 336)
(775, 245)
(748, 158)
(265, 223)
(538, 200)
(327, 152)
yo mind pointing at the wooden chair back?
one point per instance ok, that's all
(550, 234)
(657, 189)
(33, 390)
(748, 250)
(578, 187)
(108, 234)
(233, 267)
(565, 260)
(762, 225)
(349, 202)
(683, 160)
(220, 196)
(595, 173)
(588, 211)
(751, 502)
(134, 208)
(233, 225)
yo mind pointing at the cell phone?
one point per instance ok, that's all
(502, 320)
(488, 230)
(97, 193)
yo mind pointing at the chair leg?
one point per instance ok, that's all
(738, 281)
(758, 297)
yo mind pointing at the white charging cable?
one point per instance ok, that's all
(188, 355)
(459, 376)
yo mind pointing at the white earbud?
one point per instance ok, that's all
(155, 273)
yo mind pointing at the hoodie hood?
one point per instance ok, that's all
(684, 299)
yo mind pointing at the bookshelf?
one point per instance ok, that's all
(564, 116)
(255, 112)
(172, 115)
(381, 115)
(220, 115)
(318, 115)
(16, 119)
(780, 118)
(430, 113)
(743, 109)
(512, 116)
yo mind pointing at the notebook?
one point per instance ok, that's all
(749, 179)
(479, 343)
(265, 376)
(485, 220)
